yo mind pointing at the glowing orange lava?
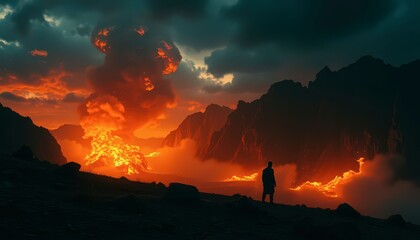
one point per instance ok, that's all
(105, 116)
(111, 150)
(152, 155)
(41, 53)
(330, 189)
(249, 178)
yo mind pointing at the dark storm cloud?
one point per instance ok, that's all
(252, 82)
(12, 97)
(233, 60)
(167, 8)
(8, 96)
(84, 29)
(304, 22)
(23, 13)
(275, 40)
(72, 97)
(259, 42)
(187, 76)
(205, 33)
(65, 52)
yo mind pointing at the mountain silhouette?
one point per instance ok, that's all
(361, 110)
(199, 127)
(18, 131)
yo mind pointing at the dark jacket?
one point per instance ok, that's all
(268, 179)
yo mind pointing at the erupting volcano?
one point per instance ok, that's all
(175, 119)
(129, 93)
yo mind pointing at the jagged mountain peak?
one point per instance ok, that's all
(324, 128)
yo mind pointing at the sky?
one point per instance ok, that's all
(225, 51)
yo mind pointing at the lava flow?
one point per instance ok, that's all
(249, 178)
(111, 150)
(330, 189)
(107, 149)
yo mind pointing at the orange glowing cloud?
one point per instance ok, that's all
(41, 53)
(171, 65)
(50, 87)
(48, 100)
(141, 30)
(104, 32)
(100, 40)
(195, 106)
(148, 84)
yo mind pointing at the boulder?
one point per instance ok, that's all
(183, 193)
(243, 204)
(25, 153)
(396, 220)
(70, 168)
(346, 210)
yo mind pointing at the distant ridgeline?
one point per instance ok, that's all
(199, 126)
(17, 131)
(366, 108)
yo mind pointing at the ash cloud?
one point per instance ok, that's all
(292, 38)
(136, 58)
(304, 22)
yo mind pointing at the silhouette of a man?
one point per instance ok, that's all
(269, 182)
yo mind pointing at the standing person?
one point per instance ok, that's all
(269, 182)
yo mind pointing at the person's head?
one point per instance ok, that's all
(270, 164)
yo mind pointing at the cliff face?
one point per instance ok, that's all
(366, 108)
(17, 131)
(199, 127)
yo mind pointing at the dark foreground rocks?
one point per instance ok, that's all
(182, 193)
(346, 210)
(38, 201)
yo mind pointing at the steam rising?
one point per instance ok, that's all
(375, 190)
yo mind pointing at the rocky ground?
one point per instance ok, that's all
(43, 201)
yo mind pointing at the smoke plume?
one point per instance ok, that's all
(136, 58)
